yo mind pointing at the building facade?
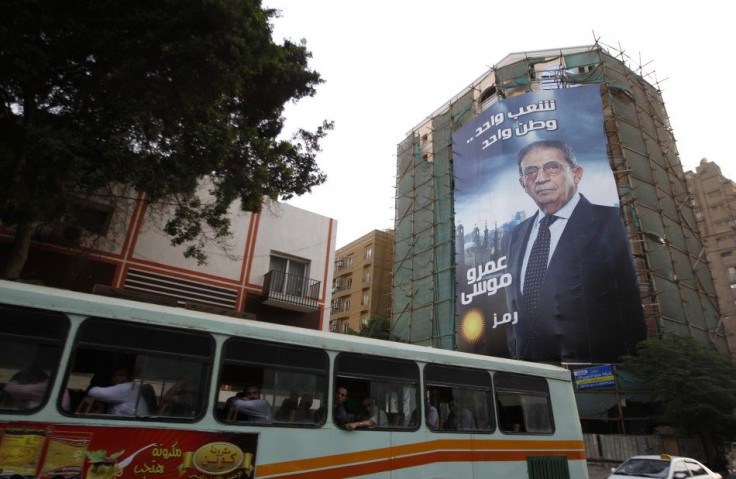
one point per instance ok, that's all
(362, 281)
(263, 271)
(675, 286)
(714, 200)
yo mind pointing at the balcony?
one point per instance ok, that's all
(288, 291)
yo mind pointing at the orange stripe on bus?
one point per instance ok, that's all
(416, 454)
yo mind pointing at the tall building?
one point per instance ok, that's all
(362, 281)
(676, 287)
(263, 271)
(465, 203)
(714, 200)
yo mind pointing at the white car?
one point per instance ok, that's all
(662, 467)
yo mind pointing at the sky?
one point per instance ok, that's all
(389, 64)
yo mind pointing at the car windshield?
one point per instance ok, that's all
(644, 468)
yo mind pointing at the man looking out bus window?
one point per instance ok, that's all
(339, 413)
(369, 415)
(251, 406)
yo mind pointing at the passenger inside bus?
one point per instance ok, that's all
(249, 406)
(26, 389)
(458, 421)
(304, 411)
(340, 412)
(369, 415)
(433, 417)
(122, 397)
(287, 411)
(182, 399)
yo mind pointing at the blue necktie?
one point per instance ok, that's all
(537, 265)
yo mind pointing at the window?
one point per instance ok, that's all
(350, 262)
(290, 380)
(696, 468)
(424, 139)
(458, 399)
(368, 254)
(523, 404)
(289, 276)
(364, 319)
(79, 215)
(366, 275)
(31, 342)
(366, 298)
(488, 97)
(346, 326)
(349, 283)
(93, 217)
(165, 370)
(333, 326)
(346, 307)
(680, 467)
(381, 391)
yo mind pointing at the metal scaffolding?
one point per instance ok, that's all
(677, 289)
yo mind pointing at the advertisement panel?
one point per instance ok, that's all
(49, 451)
(594, 377)
(556, 289)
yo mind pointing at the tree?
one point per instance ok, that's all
(377, 327)
(694, 387)
(159, 96)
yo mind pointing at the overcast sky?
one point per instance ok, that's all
(389, 64)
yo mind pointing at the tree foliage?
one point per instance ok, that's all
(695, 387)
(377, 327)
(156, 95)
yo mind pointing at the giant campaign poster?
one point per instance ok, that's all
(588, 307)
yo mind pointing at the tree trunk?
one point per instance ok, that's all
(19, 251)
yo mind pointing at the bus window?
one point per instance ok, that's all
(381, 392)
(458, 399)
(31, 342)
(123, 369)
(524, 404)
(270, 383)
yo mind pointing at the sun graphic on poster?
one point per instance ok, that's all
(472, 325)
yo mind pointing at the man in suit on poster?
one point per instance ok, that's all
(574, 291)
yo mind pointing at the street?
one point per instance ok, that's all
(598, 471)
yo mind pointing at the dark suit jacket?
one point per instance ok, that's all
(590, 306)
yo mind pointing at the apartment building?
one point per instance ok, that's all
(714, 200)
(362, 281)
(263, 271)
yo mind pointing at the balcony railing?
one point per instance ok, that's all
(289, 291)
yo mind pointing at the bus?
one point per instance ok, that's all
(98, 387)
